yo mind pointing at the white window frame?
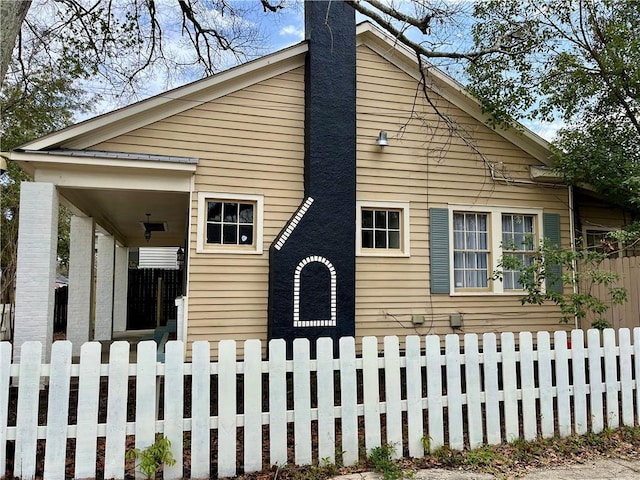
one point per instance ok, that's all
(494, 219)
(203, 247)
(405, 231)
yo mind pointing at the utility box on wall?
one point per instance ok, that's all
(455, 320)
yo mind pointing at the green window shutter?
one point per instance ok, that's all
(439, 246)
(551, 226)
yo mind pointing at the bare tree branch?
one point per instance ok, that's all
(504, 45)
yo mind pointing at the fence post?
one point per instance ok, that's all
(348, 400)
(415, 423)
(57, 413)
(200, 410)
(27, 418)
(371, 393)
(227, 408)
(491, 387)
(302, 401)
(392, 394)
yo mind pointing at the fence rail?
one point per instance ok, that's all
(241, 414)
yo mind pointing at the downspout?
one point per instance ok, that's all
(574, 263)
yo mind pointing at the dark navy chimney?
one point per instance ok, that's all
(312, 261)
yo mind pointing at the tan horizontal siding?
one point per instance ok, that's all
(252, 142)
(248, 142)
(427, 167)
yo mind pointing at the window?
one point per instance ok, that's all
(600, 241)
(518, 240)
(478, 236)
(383, 229)
(470, 250)
(229, 223)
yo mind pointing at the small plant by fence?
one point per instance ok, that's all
(242, 414)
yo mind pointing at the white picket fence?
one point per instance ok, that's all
(503, 391)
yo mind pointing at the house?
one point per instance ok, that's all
(316, 191)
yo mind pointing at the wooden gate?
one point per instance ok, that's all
(151, 297)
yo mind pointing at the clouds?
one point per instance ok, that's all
(296, 31)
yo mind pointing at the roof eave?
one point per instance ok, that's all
(103, 127)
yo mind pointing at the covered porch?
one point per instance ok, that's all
(119, 201)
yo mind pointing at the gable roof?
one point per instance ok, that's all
(137, 115)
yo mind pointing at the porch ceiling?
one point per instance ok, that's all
(122, 213)
(119, 189)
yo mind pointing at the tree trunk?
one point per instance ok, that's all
(12, 14)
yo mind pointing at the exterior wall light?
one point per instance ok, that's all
(382, 141)
(180, 258)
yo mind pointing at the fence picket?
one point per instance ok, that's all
(509, 387)
(491, 388)
(326, 391)
(227, 408)
(392, 394)
(415, 423)
(5, 380)
(200, 410)
(626, 376)
(117, 410)
(27, 415)
(636, 358)
(58, 417)
(527, 383)
(454, 392)
(173, 405)
(349, 401)
(277, 402)
(611, 377)
(562, 383)
(371, 393)
(571, 388)
(145, 396)
(252, 405)
(88, 395)
(302, 401)
(434, 392)
(547, 422)
(579, 382)
(473, 389)
(596, 387)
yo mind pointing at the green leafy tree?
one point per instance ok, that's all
(580, 269)
(579, 63)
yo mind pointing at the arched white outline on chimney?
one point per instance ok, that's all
(296, 294)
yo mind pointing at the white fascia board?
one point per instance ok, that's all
(35, 159)
(145, 112)
(450, 89)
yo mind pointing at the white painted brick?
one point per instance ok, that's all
(36, 270)
(120, 289)
(81, 264)
(104, 288)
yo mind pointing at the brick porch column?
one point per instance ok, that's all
(121, 284)
(36, 269)
(104, 288)
(81, 264)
